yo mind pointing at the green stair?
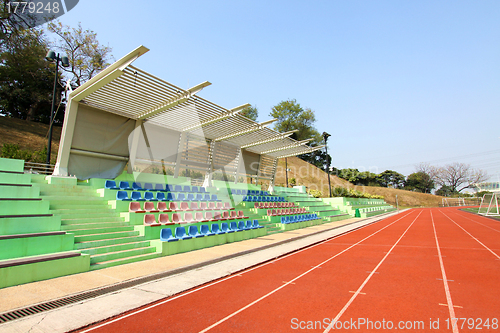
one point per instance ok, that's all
(98, 229)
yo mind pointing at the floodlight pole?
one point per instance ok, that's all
(325, 137)
(286, 171)
(51, 57)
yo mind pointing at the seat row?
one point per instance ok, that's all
(265, 198)
(136, 186)
(164, 219)
(161, 206)
(285, 211)
(205, 231)
(266, 205)
(160, 196)
(248, 192)
(298, 218)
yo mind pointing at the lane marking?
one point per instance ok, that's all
(455, 306)
(445, 281)
(468, 233)
(246, 271)
(368, 278)
(484, 225)
(353, 292)
(296, 278)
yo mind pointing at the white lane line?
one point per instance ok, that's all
(232, 276)
(484, 225)
(337, 317)
(468, 233)
(293, 280)
(445, 280)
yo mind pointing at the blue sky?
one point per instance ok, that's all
(396, 83)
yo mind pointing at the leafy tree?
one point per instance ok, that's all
(86, 56)
(250, 112)
(390, 178)
(26, 78)
(420, 182)
(292, 116)
(445, 191)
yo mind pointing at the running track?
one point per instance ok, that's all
(413, 272)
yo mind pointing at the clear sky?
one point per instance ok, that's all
(396, 83)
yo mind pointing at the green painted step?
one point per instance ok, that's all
(68, 227)
(100, 231)
(120, 234)
(90, 220)
(93, 206)
(107, 242)
(121, 254)
(124, 261)
(114, 248)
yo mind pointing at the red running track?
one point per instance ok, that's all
(413, 272)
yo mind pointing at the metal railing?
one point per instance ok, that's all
(38, 168)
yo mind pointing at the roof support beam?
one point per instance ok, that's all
(224, 116)
(293, 145)
(312, 149)
(174, 102)
(281, 136)
(251, 129)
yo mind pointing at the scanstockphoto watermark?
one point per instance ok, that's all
(29, 14)
(366, 324)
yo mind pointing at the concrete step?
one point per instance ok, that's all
(103, 236)
(114, 248)
(96, 225)
(98, 258)
(74, 206)
(100, 231)
(107, 242)
(116, 262)
(92, 220)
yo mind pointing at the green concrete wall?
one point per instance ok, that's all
(9, 164)
(23, 207)
(31, 246)
(22, 225)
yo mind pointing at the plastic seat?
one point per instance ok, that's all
(214, 228)
(148, 186)
(186, 188)
(188, 218)
(150, 196)
(233, 226)
(233, 215)
(241, 215)
(184, 206)
(203, 206)
(225, 215)
(227, 205)
(194, 189)
(233, 191)
(111, 185)
(181, 197)
(256, 205)
(194, 206)
(198, 217)
(249, 225)
(208, 216)
(164, 219)
(176, 218)
(214, 197)
(219, 206)
(135, 207)
(225, 228)
(217, 216)
(159, 187)
(256, 225)
(211, 205)
(166, 235)
(241, 225)
(123, 196)
(173, 206)
(180, 233)
(136, 186)
(206, 197)
(150, 219)
(178, 188)
(238, 192)
(169, 188)
(202, 189)
(149, 207)
(137, 196)
(160, 196)
(205, 230)
(190, 197)
(162, 207)
(193, 232)
(170, 196)
(199, 197)
(125, 186)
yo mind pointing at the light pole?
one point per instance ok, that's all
(52, 57)
(325, 137)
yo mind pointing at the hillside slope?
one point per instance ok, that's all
(316, 179)
(33, 136)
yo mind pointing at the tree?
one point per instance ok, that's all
(459, 176)
(291, 116)
(86, 56)
(390, 178)
(445, 191)
(420, 182)
(26, 78)
(250, 112)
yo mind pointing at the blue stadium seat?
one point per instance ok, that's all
(178, 188)
(194, 189)
(166, 235)
(241, 225)
(170, 196)
(110, 184)
(234, 227)
(204, 230)
(206, 198)
(214, 228)
(125, 186)
(225, 228)
(199, 197)
(181, 197)
(187, 188)
(256, 225)
(202, 189)
(148, 186)
(190, 197)
(137, 186)
(248, 225)
(159, 187)
(160, 196)
(136, 196)
(150, 196)
(180, 233)
(193, 232)
(123, 196)
(233, 191)
(169, 188)
(214, 198)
